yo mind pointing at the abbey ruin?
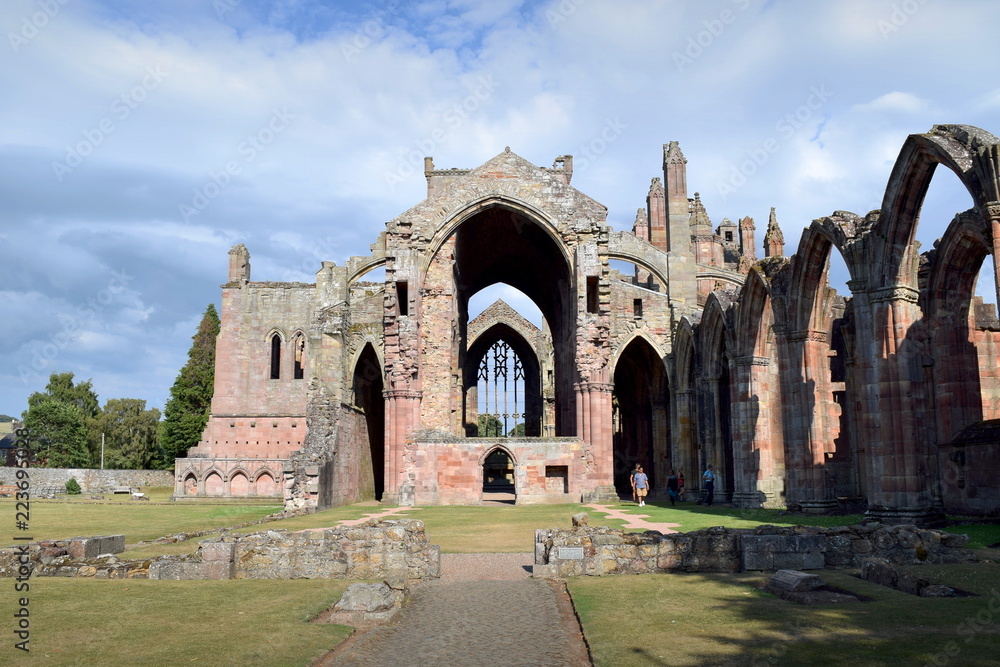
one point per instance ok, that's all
(705, 353)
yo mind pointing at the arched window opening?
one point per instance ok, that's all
(299, 348)
(501, 393)
(275, 357)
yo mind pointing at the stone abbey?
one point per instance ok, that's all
(342, 389)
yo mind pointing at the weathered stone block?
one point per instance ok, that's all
(218, 551)
(795, 581)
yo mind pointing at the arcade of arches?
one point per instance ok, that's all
(701, 353)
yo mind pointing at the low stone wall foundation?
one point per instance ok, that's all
(602, 550)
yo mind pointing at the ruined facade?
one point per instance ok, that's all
(342, 389)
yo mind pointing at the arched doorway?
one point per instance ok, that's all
(641, 424)
(498, 476)
(369, 401)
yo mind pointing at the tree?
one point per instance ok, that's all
(130, 432)
(517, 431)
(190, 402)
(489, 426)
(58, 434)
(62, 429)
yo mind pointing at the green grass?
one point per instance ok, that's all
(699, 619)
(461, 528)
(137, 520)
(140, 622)
(981, 535)
(691, 516)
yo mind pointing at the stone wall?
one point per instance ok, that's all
(91, 481)
(447, 470)
(393, 550)
(602, 550)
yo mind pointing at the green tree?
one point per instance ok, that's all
(130, 432)
(489, 426)
(58, 434)
(517, 431)
(190, 402)
(81, 395)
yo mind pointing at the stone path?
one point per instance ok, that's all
(485, 610)
(635, 520)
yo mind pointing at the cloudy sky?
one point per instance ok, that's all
(141, 139)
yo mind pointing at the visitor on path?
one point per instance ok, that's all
(631, 478)
(673, 489)
(709, 477)
(641, 483)
(680, 484)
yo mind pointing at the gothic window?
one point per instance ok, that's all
(299, 347)
(501, 392)
(275, 356)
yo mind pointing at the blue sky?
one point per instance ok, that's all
(139, 140)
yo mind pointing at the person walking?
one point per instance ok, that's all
(709, 478)
(673, 489)
(631, 479)
(680, 484)
(641, 485)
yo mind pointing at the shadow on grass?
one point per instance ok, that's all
(721, 619)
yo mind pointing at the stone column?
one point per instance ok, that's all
(402, 415)
(902, 473)
(993, 211)
(682, 452)
(594, 410)
(755, 460)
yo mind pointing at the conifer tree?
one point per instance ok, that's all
(186, 411)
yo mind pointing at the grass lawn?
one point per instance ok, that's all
(462, 529)
(138, 520)
(981, 535)
(692, 516)
(701, 619)
(140, 622)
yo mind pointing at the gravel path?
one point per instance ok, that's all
(484, 610)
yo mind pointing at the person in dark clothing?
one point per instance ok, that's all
(673, 487)
(709, 478)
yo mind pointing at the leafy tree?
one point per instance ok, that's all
(130, 432)
(489, 426)
(72, 486)
(187, 409)
(517, 431)
(6, 418)
(59, 435)
(81, 395)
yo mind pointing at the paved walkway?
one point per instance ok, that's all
(637, 521)
(485, 610)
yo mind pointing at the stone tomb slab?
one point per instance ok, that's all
(804, 588)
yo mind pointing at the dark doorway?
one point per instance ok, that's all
(368, 398)
(639, 412)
